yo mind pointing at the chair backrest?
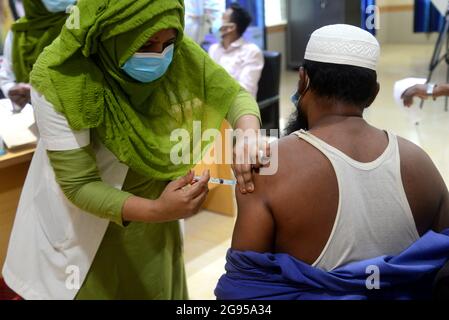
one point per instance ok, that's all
(270, 81)
(12, 5)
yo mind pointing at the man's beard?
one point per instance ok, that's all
(298, 121)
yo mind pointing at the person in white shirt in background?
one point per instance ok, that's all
(243, 60)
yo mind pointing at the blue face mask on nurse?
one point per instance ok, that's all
(152, 61)
(58, 5)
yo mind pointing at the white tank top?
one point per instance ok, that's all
(374, 217)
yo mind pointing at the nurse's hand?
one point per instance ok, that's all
(183, 198)
(249, 156)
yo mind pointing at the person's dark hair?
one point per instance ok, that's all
(344, 83)
(348, 84)
(240, 17)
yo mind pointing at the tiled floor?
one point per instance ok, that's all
(207, 238)
(208, 235)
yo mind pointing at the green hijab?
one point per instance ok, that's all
(32, 33)
(80, 75)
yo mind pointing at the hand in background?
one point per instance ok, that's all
(417, 91)
(20, 94)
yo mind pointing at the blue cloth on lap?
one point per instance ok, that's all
(409, 275)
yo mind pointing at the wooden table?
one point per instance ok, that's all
(13, 170)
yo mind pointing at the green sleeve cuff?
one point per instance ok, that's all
(244, 105)
(102, 200)
(78, 176)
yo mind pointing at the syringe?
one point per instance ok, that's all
(224, 182)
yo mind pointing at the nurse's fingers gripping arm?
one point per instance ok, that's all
(244, 115)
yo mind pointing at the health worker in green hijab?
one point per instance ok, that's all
(29, 36)
(99, 215)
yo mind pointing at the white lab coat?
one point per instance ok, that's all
(7, 77)
(53, 243)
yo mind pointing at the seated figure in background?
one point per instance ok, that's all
(244, 61)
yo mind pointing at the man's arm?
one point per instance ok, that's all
(425, 188)
(442, 221)
(255, 227)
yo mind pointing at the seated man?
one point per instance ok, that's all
(352, 207)
(242, 60)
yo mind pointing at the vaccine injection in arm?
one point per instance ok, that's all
(219, 181)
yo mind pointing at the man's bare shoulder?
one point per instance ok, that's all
(414, 160)
(295, 158)
(299, 171)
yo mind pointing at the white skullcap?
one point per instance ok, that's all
(344, 44)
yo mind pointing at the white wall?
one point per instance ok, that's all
(396, 24)
(396, 27)
(383, 3)
(277, 41)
